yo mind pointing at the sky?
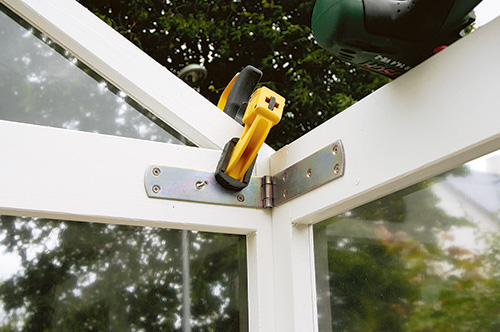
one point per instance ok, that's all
(486, 11)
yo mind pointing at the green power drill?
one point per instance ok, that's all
(389, 37)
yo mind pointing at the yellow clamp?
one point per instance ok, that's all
(264, 110)
(225, 93)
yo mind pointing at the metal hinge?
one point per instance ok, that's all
(268, 191)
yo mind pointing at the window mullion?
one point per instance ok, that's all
(294, 274)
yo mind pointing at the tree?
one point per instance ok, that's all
(225, 36)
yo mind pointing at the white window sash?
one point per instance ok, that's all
(436, 117)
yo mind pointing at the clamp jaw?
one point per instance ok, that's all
(262, 110)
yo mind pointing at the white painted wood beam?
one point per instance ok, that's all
(442, 114)
(119, 61)
(438, 116)
(58, 173)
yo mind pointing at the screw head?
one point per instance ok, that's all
(156, 171)
(240, 198)
(335, 150)
(309, 172)
(336, 169)
(285, 193)
(285, 176)
(156, 189)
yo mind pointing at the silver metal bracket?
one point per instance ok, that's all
(312, 172)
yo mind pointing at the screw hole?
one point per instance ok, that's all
(309, 172)
(200, 184)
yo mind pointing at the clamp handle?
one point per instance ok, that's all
(234, 99)
(235, 166)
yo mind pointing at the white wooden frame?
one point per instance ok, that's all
(441, 114)
(438, 116)
(71, 175)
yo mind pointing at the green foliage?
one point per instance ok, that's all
(467, 300)
(274, 36)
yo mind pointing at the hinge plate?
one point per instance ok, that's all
(183, 184)
(312, 172)
(198, 186)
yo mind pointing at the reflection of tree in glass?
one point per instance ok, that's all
(368, 292)
(394, 266)
(84, 276)
(465, 296)
(43, 84)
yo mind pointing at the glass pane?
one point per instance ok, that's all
(73, 276)
(41, 83)
(426, 258)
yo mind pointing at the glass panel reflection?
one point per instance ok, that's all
(41, 83)
(72, 276)
(426, 258)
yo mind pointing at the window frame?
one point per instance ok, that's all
(386, 149)
(45, 163)
(79, 176)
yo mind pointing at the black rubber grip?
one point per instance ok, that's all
(241, 91)
(225, 180)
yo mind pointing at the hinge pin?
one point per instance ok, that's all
(267, 191)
